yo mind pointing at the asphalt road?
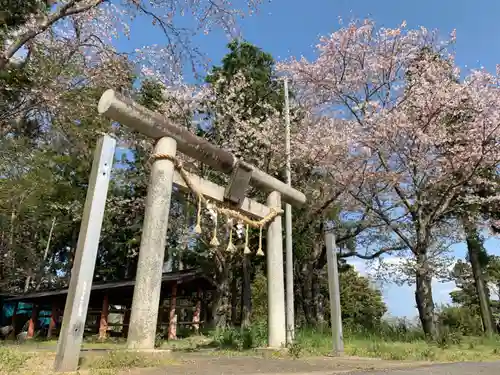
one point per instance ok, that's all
(469, 368)
(248, 366)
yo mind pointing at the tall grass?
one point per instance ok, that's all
(252, 337)
(398, 340)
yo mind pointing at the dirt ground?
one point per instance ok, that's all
(226, 363)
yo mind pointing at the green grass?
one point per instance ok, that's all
(12, 360)
(416, 349)
(121, 359)
(23, 359)
(390, 343)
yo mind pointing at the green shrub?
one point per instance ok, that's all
(460, 320)
(397, 330)
(241, 338)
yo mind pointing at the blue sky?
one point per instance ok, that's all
(291, 28)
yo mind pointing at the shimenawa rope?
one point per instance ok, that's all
(222, 210)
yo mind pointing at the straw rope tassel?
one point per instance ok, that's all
(230, 246)
(259, 250)
(197, 228)
(247, 249)
(214, 241)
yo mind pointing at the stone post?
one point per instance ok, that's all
(334, 291)
(275, 275)
(77, 300)
(145, 303)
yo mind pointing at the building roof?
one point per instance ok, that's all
(182, 277)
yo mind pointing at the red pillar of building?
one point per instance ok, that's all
(12, 334)
(32, 322)
(172, 324)
(197, 312)
(54, 316)
(103, 323)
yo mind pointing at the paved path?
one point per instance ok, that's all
(469, 368)
(220, 365)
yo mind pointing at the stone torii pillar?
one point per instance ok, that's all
(275, 285)
(146, 300)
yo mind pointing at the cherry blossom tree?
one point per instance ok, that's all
(399, 132)
(42, 38)
(106, 20)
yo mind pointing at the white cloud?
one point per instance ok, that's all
(359, 265)
(441, 291)
(400, 300)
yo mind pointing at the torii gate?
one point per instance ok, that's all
(164, 174)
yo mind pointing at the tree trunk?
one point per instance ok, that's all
(234, 299)
(423, 295)
(310, 290)
(42, 268)
(10, 250)
(27, 283)
(220, 304)
(2, 274)
(476, 251)
(246, 293)
(319, 310)
(307, 296)
(11, 234)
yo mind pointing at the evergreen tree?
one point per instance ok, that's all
(466, 295)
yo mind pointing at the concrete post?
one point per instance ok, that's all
(275, 282)
(82, 273)
(290, 306)
(146, 300)
(334, 289)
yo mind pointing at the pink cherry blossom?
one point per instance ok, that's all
(403, 138)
